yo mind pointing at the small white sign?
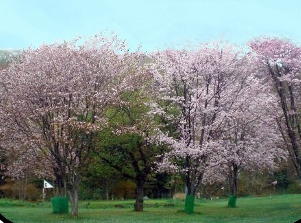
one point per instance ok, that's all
(47, 185)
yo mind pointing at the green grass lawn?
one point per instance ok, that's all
(281, 208)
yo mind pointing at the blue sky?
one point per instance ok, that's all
(153, 24)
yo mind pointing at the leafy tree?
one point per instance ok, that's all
(129, 145)
(158, 185)
(98, 179)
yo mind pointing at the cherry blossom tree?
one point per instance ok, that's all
(55, 100)
(217, 128)
(279, 61)
(250, 139)
(202, 85)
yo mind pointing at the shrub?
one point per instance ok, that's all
(17, 190)
(124, 190)
(294, 188)
(32, 193)
(7, 190)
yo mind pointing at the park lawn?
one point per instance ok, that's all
(280, 208)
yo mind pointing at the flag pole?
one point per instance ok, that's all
(46, 185)
(43, 199)
(43, 194)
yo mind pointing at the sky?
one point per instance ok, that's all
(153, 24)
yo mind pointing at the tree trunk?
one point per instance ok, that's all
(60, 183)
(107, 195)
(138, 206)
(107, 191)
(292, 124)
(73, 195)
(233, 181)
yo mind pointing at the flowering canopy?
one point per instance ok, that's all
(220, 102)
(55, 97)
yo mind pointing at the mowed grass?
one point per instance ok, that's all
(281, 208)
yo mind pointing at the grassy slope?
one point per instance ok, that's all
(284, 208)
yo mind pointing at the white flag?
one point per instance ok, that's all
(47, 185)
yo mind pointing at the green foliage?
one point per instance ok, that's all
(98, 179)
(19, 203)
(294, 188)
(283, 180)
(124, 145)
(118, 149)
(128, 153)
(158, 186)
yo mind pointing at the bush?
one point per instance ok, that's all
(294, 188)
(7, 190)
(17, 190)
(124, 190)
(180, 196)
(32, 193)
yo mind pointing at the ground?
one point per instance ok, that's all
(280, 208)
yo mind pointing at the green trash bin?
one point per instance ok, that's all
(189, 204)
(232, 201)
(60, 205)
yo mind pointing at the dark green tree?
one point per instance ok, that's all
(129, 144)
